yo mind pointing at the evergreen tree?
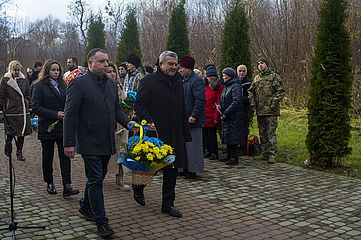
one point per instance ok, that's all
(96, 34)
(129, 40)
(330, 91)
(178, 41)
(236, 41)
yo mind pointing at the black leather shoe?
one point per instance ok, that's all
(224, 159)
(232, 161)
(172, 211)
(104, 230)
(190, 175)
(87, 214)
(213, 157)
(51, 188)
(69, 190)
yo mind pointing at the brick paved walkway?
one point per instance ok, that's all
(259, 201)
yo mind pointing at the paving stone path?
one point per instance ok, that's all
(252, 201)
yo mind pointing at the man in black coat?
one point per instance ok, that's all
(91, 112)
(160, 101)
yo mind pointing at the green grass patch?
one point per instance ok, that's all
(291, 136)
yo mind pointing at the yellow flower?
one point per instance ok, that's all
(150, 157)
(137, 158)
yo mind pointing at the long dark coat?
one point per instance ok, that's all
(231, 106)
(46, 102)
(15, 101)
(91, 112)
(160, 100)
(194, 98)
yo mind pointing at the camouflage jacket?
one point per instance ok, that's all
(266, 93)
(132, 80)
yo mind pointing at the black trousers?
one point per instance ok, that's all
(211, 135)
(48, 158)
(232, 151)
(168, 188)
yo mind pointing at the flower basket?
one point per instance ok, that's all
(144, 156)
(142, 177)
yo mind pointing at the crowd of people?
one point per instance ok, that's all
(80, 111)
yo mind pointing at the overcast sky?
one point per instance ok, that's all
(32, 10)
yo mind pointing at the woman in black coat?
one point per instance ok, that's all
(231, 110)
(48, 101)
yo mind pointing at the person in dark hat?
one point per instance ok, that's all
(122, 72)
(231, 114)
(265, 95)
(194, 99)
(148, 70)
(212, 91)
(134, 75)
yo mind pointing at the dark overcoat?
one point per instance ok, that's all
(160, 100)
(91, 112)
(15, 101)
(194, 99)
(46, 103)
(231, 106)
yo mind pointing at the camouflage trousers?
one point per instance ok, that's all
(267, 126)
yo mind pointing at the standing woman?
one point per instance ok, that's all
(231, 109)
(48, 101)
(15, 102)
(121, 135)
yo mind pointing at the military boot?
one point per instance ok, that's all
(19, 155)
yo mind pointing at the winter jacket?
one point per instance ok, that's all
(213, 97)
(47, 102)
(194, 99)
(266, 93)
(15, 102)
(231, 107)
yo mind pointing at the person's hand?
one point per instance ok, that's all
(151, 126)
(60, 115)
(191, 120)
(223, 117)
(69, 151)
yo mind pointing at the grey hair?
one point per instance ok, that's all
(167, 54)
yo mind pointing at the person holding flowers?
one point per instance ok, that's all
(91, 112)
(48, 102)
(160, 102)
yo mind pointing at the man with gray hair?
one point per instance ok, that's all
(160, 101)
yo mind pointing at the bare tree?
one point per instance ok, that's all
(80, 12)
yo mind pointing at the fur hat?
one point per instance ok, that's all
(229, 72)
(187, 62)
(262, 59)
(135, 60)
(211, 71)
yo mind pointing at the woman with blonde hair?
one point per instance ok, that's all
(15, 103)
(48, 100)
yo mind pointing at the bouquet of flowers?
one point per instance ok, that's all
(145, 155)
(128, 102)
(73, 74)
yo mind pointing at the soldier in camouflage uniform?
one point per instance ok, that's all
(265, 94)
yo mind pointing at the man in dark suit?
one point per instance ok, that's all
(91, 112)
(160, 101)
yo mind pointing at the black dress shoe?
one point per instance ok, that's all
(104, 230)
(224, 159)
(190, 175)
(232, 161)
(69, 190)
(213, 157)
(87, 214)
(172, 211)
(51, 188)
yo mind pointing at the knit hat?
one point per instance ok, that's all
(262, 59)
(135, 60)
(208, 65)
(229, 72)
(187, 62)
(211, 71)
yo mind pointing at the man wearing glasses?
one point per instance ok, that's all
(265, 95)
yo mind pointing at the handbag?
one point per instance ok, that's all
(253, 146)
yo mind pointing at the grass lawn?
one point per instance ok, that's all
(291, 136)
